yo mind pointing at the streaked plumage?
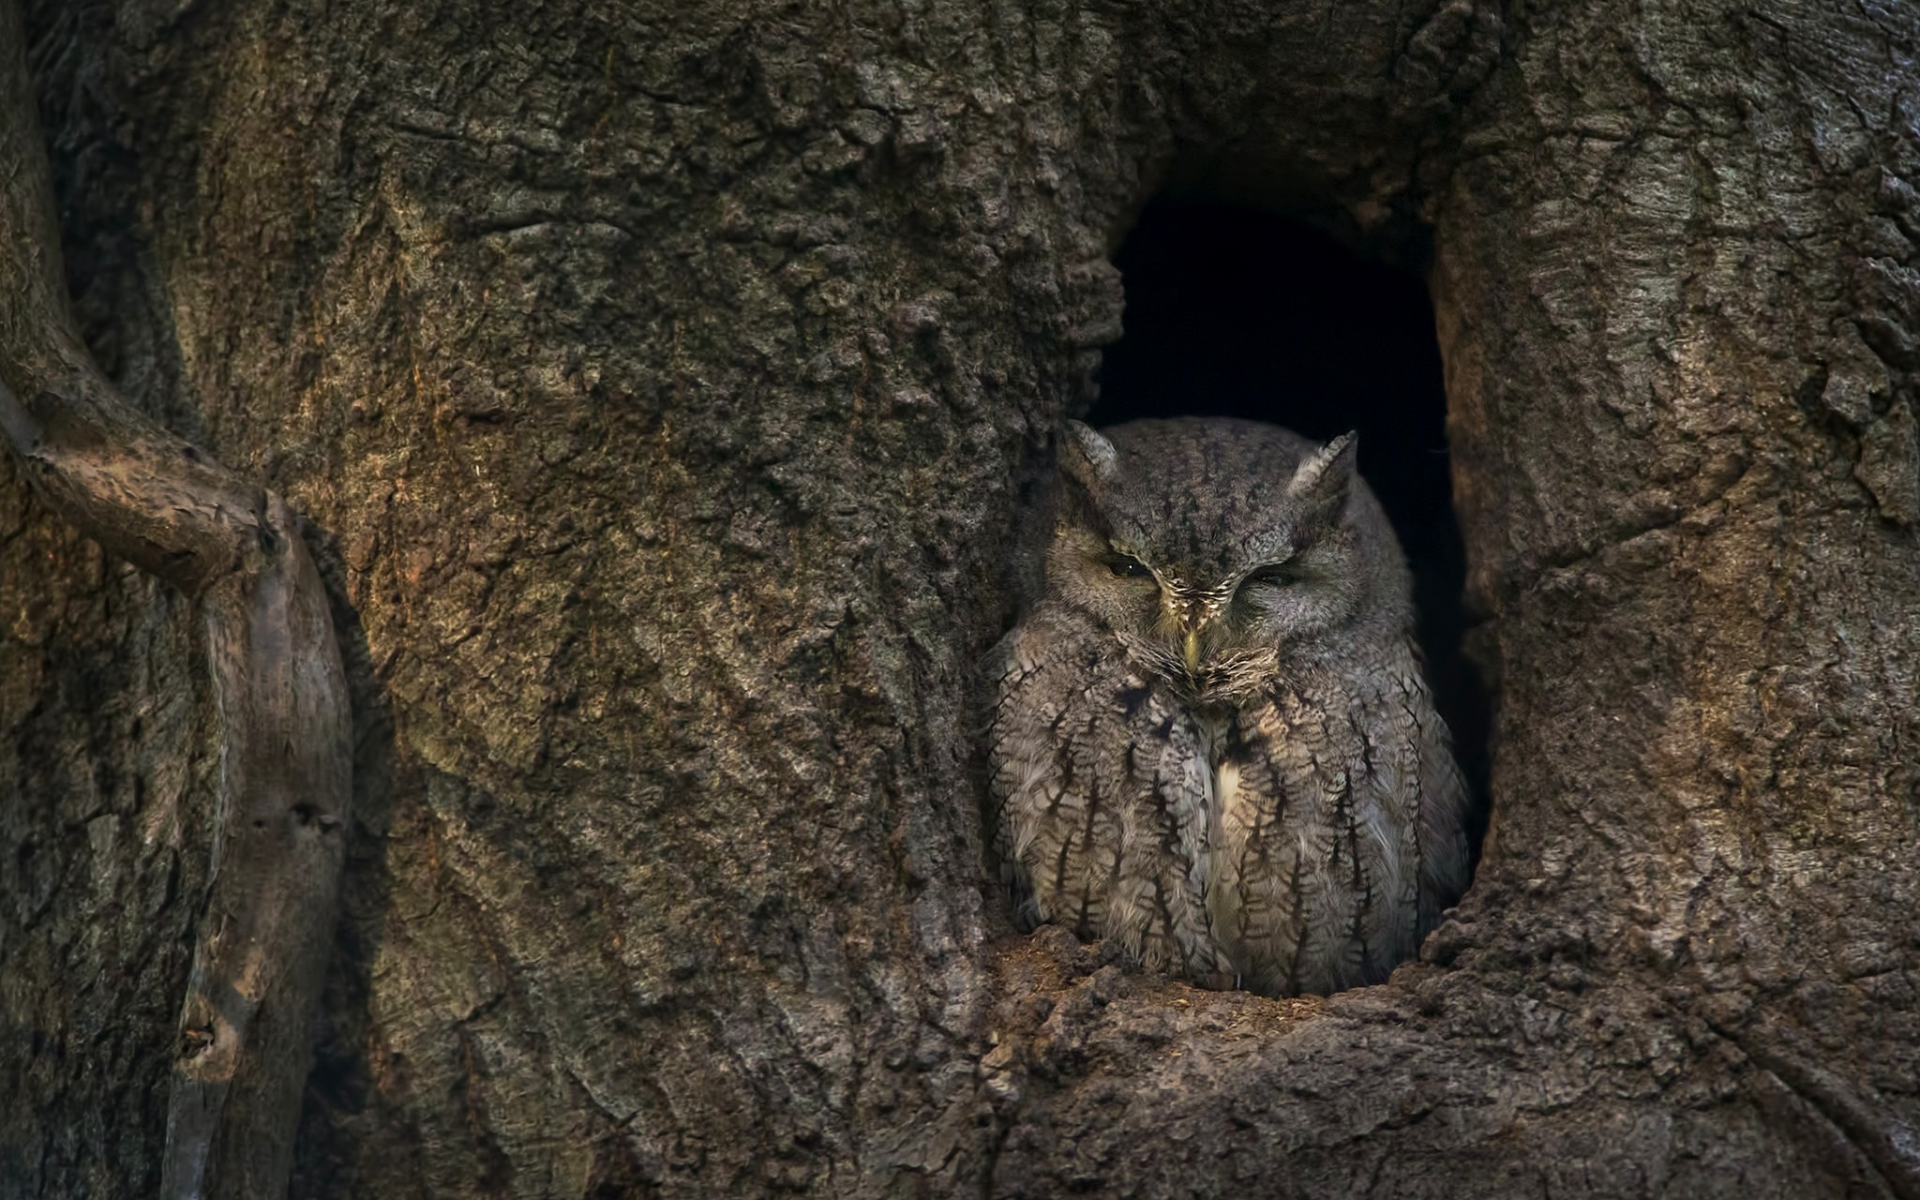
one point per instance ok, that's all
(1211, 739)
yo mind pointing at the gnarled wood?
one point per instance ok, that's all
(666, 372)
(285, 766)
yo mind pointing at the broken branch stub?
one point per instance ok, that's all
(285, 779)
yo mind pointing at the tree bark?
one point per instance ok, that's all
(266, 919)
(661, 381)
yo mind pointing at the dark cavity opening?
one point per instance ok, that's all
(1235, 312)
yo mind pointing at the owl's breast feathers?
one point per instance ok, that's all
(1290, 827)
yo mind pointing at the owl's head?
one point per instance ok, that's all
(1216, 549)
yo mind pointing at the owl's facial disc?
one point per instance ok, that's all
(1183, 612)
(1188, 616)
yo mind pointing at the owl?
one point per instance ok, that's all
(1211, 740)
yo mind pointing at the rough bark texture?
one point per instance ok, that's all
(661, 379)
(265, 923)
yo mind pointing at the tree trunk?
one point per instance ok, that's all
(660, 382)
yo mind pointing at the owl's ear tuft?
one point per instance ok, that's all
(1320, 483)
(1087, 456)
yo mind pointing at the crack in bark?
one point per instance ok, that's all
(1890, 1147)
(1612, 539)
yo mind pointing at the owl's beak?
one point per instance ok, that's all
(1192, 615)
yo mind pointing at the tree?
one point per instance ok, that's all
(658, 383)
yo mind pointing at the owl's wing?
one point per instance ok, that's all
(1103, 792)
(1443, 804)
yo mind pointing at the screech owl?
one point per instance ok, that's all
(1211, 739)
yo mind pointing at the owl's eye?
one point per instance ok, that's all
(1272, 575)
(1125, 566)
